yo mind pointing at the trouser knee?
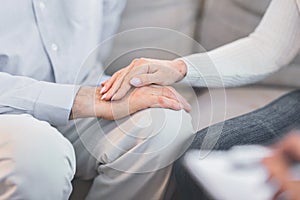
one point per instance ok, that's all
(36, 161)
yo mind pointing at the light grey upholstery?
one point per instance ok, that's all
(224, 21)
(176, 15)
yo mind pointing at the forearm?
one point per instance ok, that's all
(84, 103)
(274, 44)
(45, 101)
(239, 63)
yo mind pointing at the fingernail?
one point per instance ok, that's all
(113, 98)
(189, 106)
(104, 96)
(135, 82)
(102, 90)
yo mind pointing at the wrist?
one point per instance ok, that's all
(180, 66)
(84, 103)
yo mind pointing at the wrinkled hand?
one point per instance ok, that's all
(279, 163)
(142, 72)
(88, 102)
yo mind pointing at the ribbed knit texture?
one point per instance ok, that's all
(274, 43)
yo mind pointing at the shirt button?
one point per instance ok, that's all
(42, 5)
(54, 47)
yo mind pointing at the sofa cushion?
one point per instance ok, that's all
(228, 20)
(176, 15)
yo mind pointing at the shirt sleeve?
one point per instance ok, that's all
(274, 43)
(45, 101)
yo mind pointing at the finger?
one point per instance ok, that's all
(125, 86)
(164, 102)
(108, 83)
(122, 91)
(115, 87)
(290, 146)
(102, 89)
(144, 80)
(127, 73)
(104, 82)
(158, 91)
(144, 75)
(293, 189)
(187, 106)
(166, 92)
(170, 92)
(278, 194)
(98, 89)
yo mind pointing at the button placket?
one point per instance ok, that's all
(54, 47)
(42, 11)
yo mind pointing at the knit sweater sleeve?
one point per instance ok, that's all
(274, 43)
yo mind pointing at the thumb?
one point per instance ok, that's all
(143, 80)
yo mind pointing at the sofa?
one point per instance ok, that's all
(212, 23)
(167, 29)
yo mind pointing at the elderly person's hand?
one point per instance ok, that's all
(142, 72)
(278, 165)
(88, 102)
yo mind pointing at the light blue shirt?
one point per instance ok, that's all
(42, 46)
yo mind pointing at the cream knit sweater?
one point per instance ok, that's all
(274, 43)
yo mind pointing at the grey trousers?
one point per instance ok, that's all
(264, 126)
(126, 159)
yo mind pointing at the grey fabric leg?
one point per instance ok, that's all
(130, 158)
(264, 126)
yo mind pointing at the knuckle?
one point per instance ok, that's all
(161, 101)
(143, 90)
(135, 62)
(171, 89)
(145, 79)
(168, 92)
(138, 61)
(164, 91)
(137, 93)
(118, 73)
(122, 71)
(142, 60)
(127, 80)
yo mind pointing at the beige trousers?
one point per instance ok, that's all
(127, 159)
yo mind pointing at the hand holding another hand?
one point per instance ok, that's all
(143, 72)
(88, 102)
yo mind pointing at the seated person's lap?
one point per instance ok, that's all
(151, 132)
(264, 126)
(103, 146)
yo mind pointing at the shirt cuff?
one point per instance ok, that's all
(55, 102)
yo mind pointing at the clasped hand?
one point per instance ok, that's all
(142, 72)
(141, 85)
